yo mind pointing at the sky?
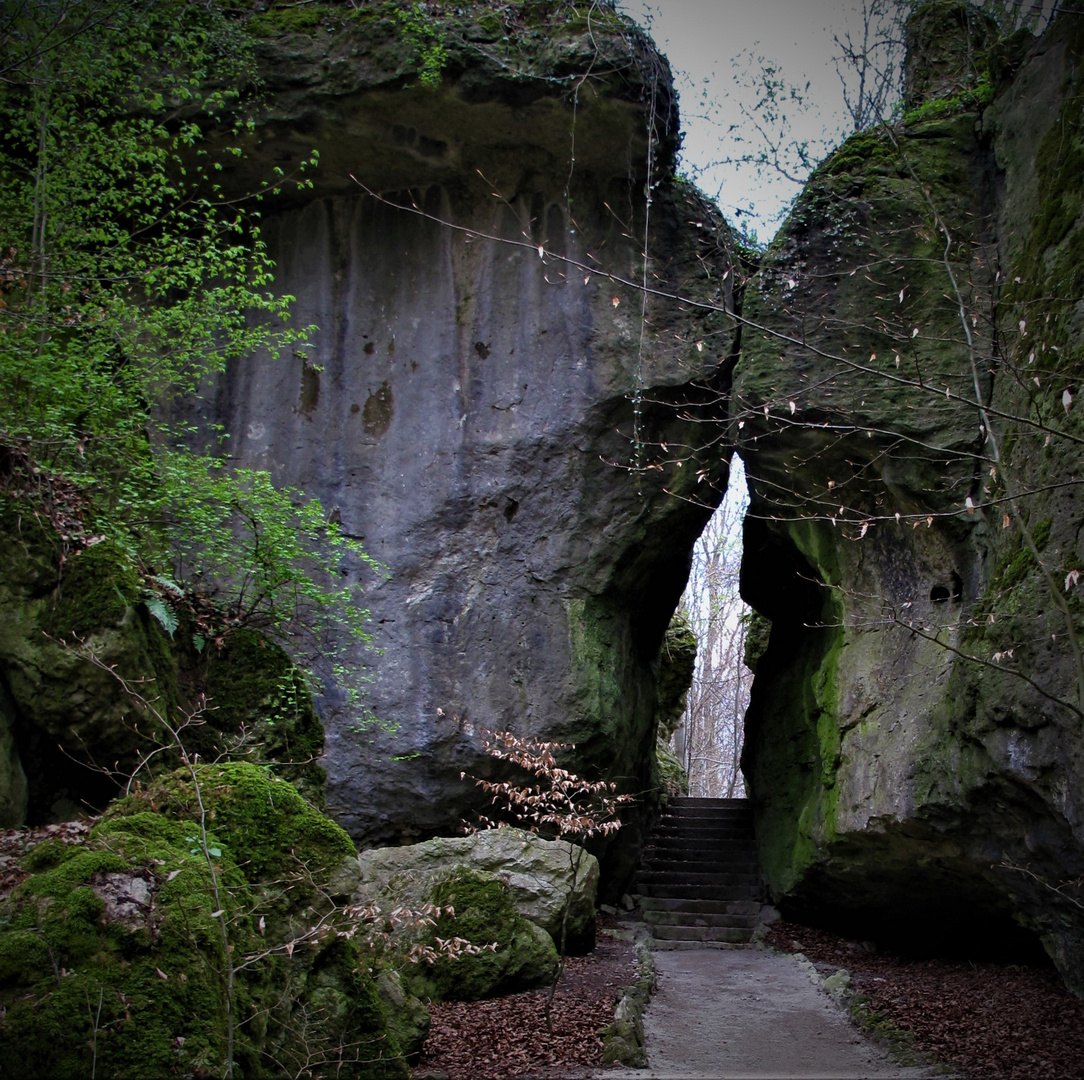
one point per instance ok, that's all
(713, 47)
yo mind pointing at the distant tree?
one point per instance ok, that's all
(709, 740)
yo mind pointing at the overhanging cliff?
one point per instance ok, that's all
(490, 392)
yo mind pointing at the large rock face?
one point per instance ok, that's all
(482, 389)
(912, 438)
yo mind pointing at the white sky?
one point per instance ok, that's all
(713, 46)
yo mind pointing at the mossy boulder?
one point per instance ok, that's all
(115, 954)
(72, 628)
(254, 688)
(516, 954)
(78, 622)
(542, 876)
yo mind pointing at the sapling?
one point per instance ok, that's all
(558, 803)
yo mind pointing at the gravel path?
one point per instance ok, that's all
(750, 1014)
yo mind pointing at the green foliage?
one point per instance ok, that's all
(427, 42)
(128, 279)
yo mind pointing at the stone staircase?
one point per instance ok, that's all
(698, 882)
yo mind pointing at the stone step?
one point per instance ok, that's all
(731, 935)
(690, 877)
(702, 838)
(696, 801)
(700, 852)
(695, 870)
(670, 891)
(695, 906)
(689, 918)
(685, 946)
(703, 832)
(709, 817)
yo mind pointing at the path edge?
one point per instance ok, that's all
(623, 1039)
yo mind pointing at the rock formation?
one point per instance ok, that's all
(529, 441)
(486, 380)
(907, 389)
(539, 875)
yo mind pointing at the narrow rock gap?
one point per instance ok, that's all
(708, 740)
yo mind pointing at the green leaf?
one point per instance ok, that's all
(162, 613)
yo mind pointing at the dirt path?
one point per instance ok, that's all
(750, 1014)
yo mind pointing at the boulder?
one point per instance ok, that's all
(75, 623)
(538, 874)
(143, 915)
(510, 953)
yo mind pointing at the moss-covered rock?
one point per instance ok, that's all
(672, 774)
(913, 742)
(542, 877)
(78, 622)
(677, 662)
(516, 954)
(254, 688)
(116, 953)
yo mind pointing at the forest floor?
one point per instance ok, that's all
(973, 1021)
(980, 1021)
(507, 1036)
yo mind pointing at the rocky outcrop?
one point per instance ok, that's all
(95, 689)
(542, 877)
(489, 397)
(907, 409)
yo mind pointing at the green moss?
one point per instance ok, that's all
(672, 774)
(591, 637)
(90, 981)
(46, 855)
(341, 1001)
(758, 631)
(154, 987)
(260, 819)
(253, 686)
(677, 662)
(484, 915)
(281, 19)
(861, 153)
(1017, 562)
(99, 588)
(973, 100)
